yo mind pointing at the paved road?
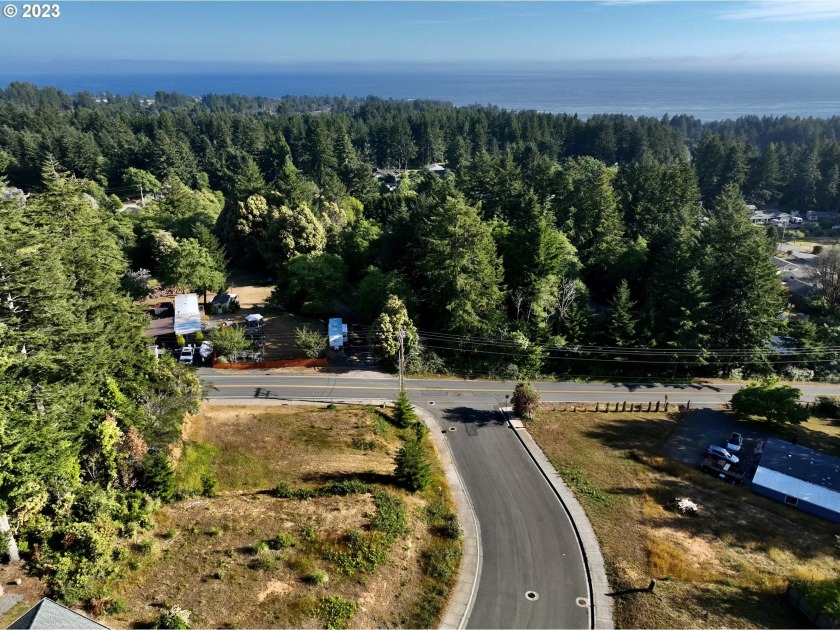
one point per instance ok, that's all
(257, 384)
(527, 540)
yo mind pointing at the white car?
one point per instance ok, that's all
(734, 443)
(186, 355)
(719, 451)
(206, 349)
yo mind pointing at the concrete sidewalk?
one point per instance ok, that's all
(601, 604)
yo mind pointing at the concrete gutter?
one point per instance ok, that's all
(600, 604)
(463, 597)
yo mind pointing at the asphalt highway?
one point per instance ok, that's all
(255, 384)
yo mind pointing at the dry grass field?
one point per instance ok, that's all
(726, 566)
(249, 559)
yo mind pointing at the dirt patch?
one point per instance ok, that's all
(276, 587)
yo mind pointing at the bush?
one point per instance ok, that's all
(335, 611)
(158, 479)
(817, 249)
(525, 400)
(260, 548)
(175, 618)
(318, 577)
(282, 541)
(344, 488)
(199, 337)
(180, 341)
(309, 534)
(441, 562)
(312, 342)
(828, 406)
(774, 403)
(117, 606)
(412, 468)
(264, 563)
(146, 547)
(390, 516)
(796, 373)
(209, 485)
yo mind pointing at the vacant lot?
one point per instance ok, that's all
(247, 558)
(727, 566)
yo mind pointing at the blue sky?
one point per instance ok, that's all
(781, 34)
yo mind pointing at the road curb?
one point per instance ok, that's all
(591, 550)
(463, 595)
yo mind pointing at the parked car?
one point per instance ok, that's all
(186, 355)
(719, 451)
(206, 349)
(734, 443)
(728, 472)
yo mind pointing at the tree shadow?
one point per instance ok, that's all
(474, 417)
(369, 477)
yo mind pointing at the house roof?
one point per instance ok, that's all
(49, 615)
(802, 463)
(161, 326)
(187, 315)
(793, 487)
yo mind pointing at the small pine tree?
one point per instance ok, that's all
(413, 470)
(525, 400)
(404, 415)
(158, 478)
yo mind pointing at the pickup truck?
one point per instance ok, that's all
(723, 469)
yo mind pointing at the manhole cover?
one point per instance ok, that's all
(431, 402)
(532, 596)
(453, 428)
(582, 602)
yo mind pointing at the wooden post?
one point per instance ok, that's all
(666, 406)
(649, 403)
(596, 406)
(624, 406)
(657, 406)
(651, 586)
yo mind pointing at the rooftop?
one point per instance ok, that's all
(49, 615)
(802, 463)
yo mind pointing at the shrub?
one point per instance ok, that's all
(312, 342)
(775, 403)
(180, 341)
(335, 611)
(412, 468)
(146, 547)
(817, 249)
(158, 478)
(260, 548)
(176, 618)
(344, 488)
(284, 490)
(525, 400)
(309, 534)
(318, 577)
(170, 533)
(209, 485)
(795, 373)
(282, 541)
(199, 337)
(117, 606)
(441, 562)
(390, 516)
(264, 563)
(828, 406)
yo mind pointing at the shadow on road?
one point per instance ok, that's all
(475, 417)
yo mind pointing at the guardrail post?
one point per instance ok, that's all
(624, 405)
(596, 406)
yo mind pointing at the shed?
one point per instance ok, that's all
(800, 477)
(187, 314)
(49, 615)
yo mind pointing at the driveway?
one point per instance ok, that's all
(703, 427)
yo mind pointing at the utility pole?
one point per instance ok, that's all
(402, 360)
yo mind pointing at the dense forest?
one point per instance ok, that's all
(550, 245)
(611, 246)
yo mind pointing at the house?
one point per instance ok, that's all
(815, 215)
(225, 302)
(799, 477)
(49, 615)
(437, 169)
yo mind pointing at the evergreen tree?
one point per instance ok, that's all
(412, 467)
(740, 276)
(622, 322)
(404, 415)
(383, 337)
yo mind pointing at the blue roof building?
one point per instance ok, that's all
(800, 477)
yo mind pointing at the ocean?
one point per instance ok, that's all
(705, 95)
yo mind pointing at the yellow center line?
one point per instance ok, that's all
(485, 390)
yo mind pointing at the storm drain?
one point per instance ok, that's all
(582, 602)
(453, 428)
(532, 596)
